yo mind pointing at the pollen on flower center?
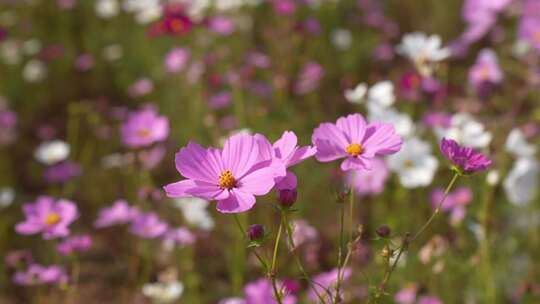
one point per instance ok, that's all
(144, 133)
(52, 219)
(408, 163)
(354, 149)
(227, 180)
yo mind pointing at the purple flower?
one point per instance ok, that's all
(84, 62)
(465, 160)
(220, 100)
(76, 243)
(176, 60)
(325, 283)
(148, 226)
(119, 213)
(232, 176)
(179, 236)
(356, 141)
(309, 78)
(62, 172)
(49, 217)
(261, 292)
(38, 274)
(369, 182)
(144, 127)
(486, 69)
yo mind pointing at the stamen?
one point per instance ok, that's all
(354, 149)
(144, 133)
(227, 180)
(52, 219)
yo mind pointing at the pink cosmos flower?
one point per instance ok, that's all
(38, 274)
(454, 203)
(369, 182)
(356, 141)
(486, 69)
(529, 31)
(148, 226)
(285, 153)
(232, 176)
(325, 283)
(179, 236)
(309, 78)
(77, 243)
(176, 60)
(407, 295)
(119, 213)
(428, 299)
(141, 87)
(144, 127)
(220, 25)
(49, 217)
(465, 160)
(261, 292)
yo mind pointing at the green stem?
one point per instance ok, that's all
(272, 272)
(485, 250)
(340, 253)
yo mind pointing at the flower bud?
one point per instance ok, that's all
(383, 231)
(287, 197)
(256, 233)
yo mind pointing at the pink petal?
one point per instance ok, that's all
(198, 163)
(286, 145)
(355, 163)
(330, 142)
(301, 154)
(353, 126)
(237, 202)
(258, 182)
(381, 139)
(179, 189)
(240, 154)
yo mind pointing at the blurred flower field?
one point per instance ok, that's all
(269, 151)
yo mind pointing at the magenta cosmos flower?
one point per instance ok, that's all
(465, 160)
(232, 176)
(38, 274)
(285, 153)
(143, 128)
(49, 217)
(356, 141)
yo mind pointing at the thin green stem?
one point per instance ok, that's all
(351, 210)
(340, 252)
(272, 273)
(244, 233)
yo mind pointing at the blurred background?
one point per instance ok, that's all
(76, 74)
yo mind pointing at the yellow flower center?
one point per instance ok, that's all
(354, 149)
(227, 180)
(408, 163)
(52, 219)
(144, 133)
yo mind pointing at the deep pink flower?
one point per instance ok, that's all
(232, 176)
(261, 292)
(76, 243)
(325, 283)
(465, 160)
(148, 226)
(144, 128)
(38, 274)
(119, 213)
(356, 141)
(285, 153)
(369, 181)
(175, 22)
(49, 217)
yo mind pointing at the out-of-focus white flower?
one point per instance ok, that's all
(163, 292)
(10, 52)
(466, 131)
(107, 9)
(232, 301)
(117, 160)
(31, 47)
(521, 184)
(520, 48)
(303, 232)
(492, 177)
(423, 51)
(414, 164)
(517, 144)
(52, 152)
(34, 71)
(113, 52)
(357, 94)
(341, 38)
(7, 195)
(145, 11)
(382, 94)
(402, 122)
(195, 213)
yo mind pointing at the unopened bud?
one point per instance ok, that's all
(383, 231)
(256, 232)
(287, 197)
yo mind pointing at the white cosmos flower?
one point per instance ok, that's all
(145, 11)
(195, 213)
(7, 195)
(357, 94)
(10, 52)
(517, 144)
(107, 9)
(466, 131)
(52, 152)
(382, 94)
(341, 38)
(402, 122)
(163, 292)
(521, 184)
(414, 164)
(423, 50)
(34, 71)
(492, 177)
